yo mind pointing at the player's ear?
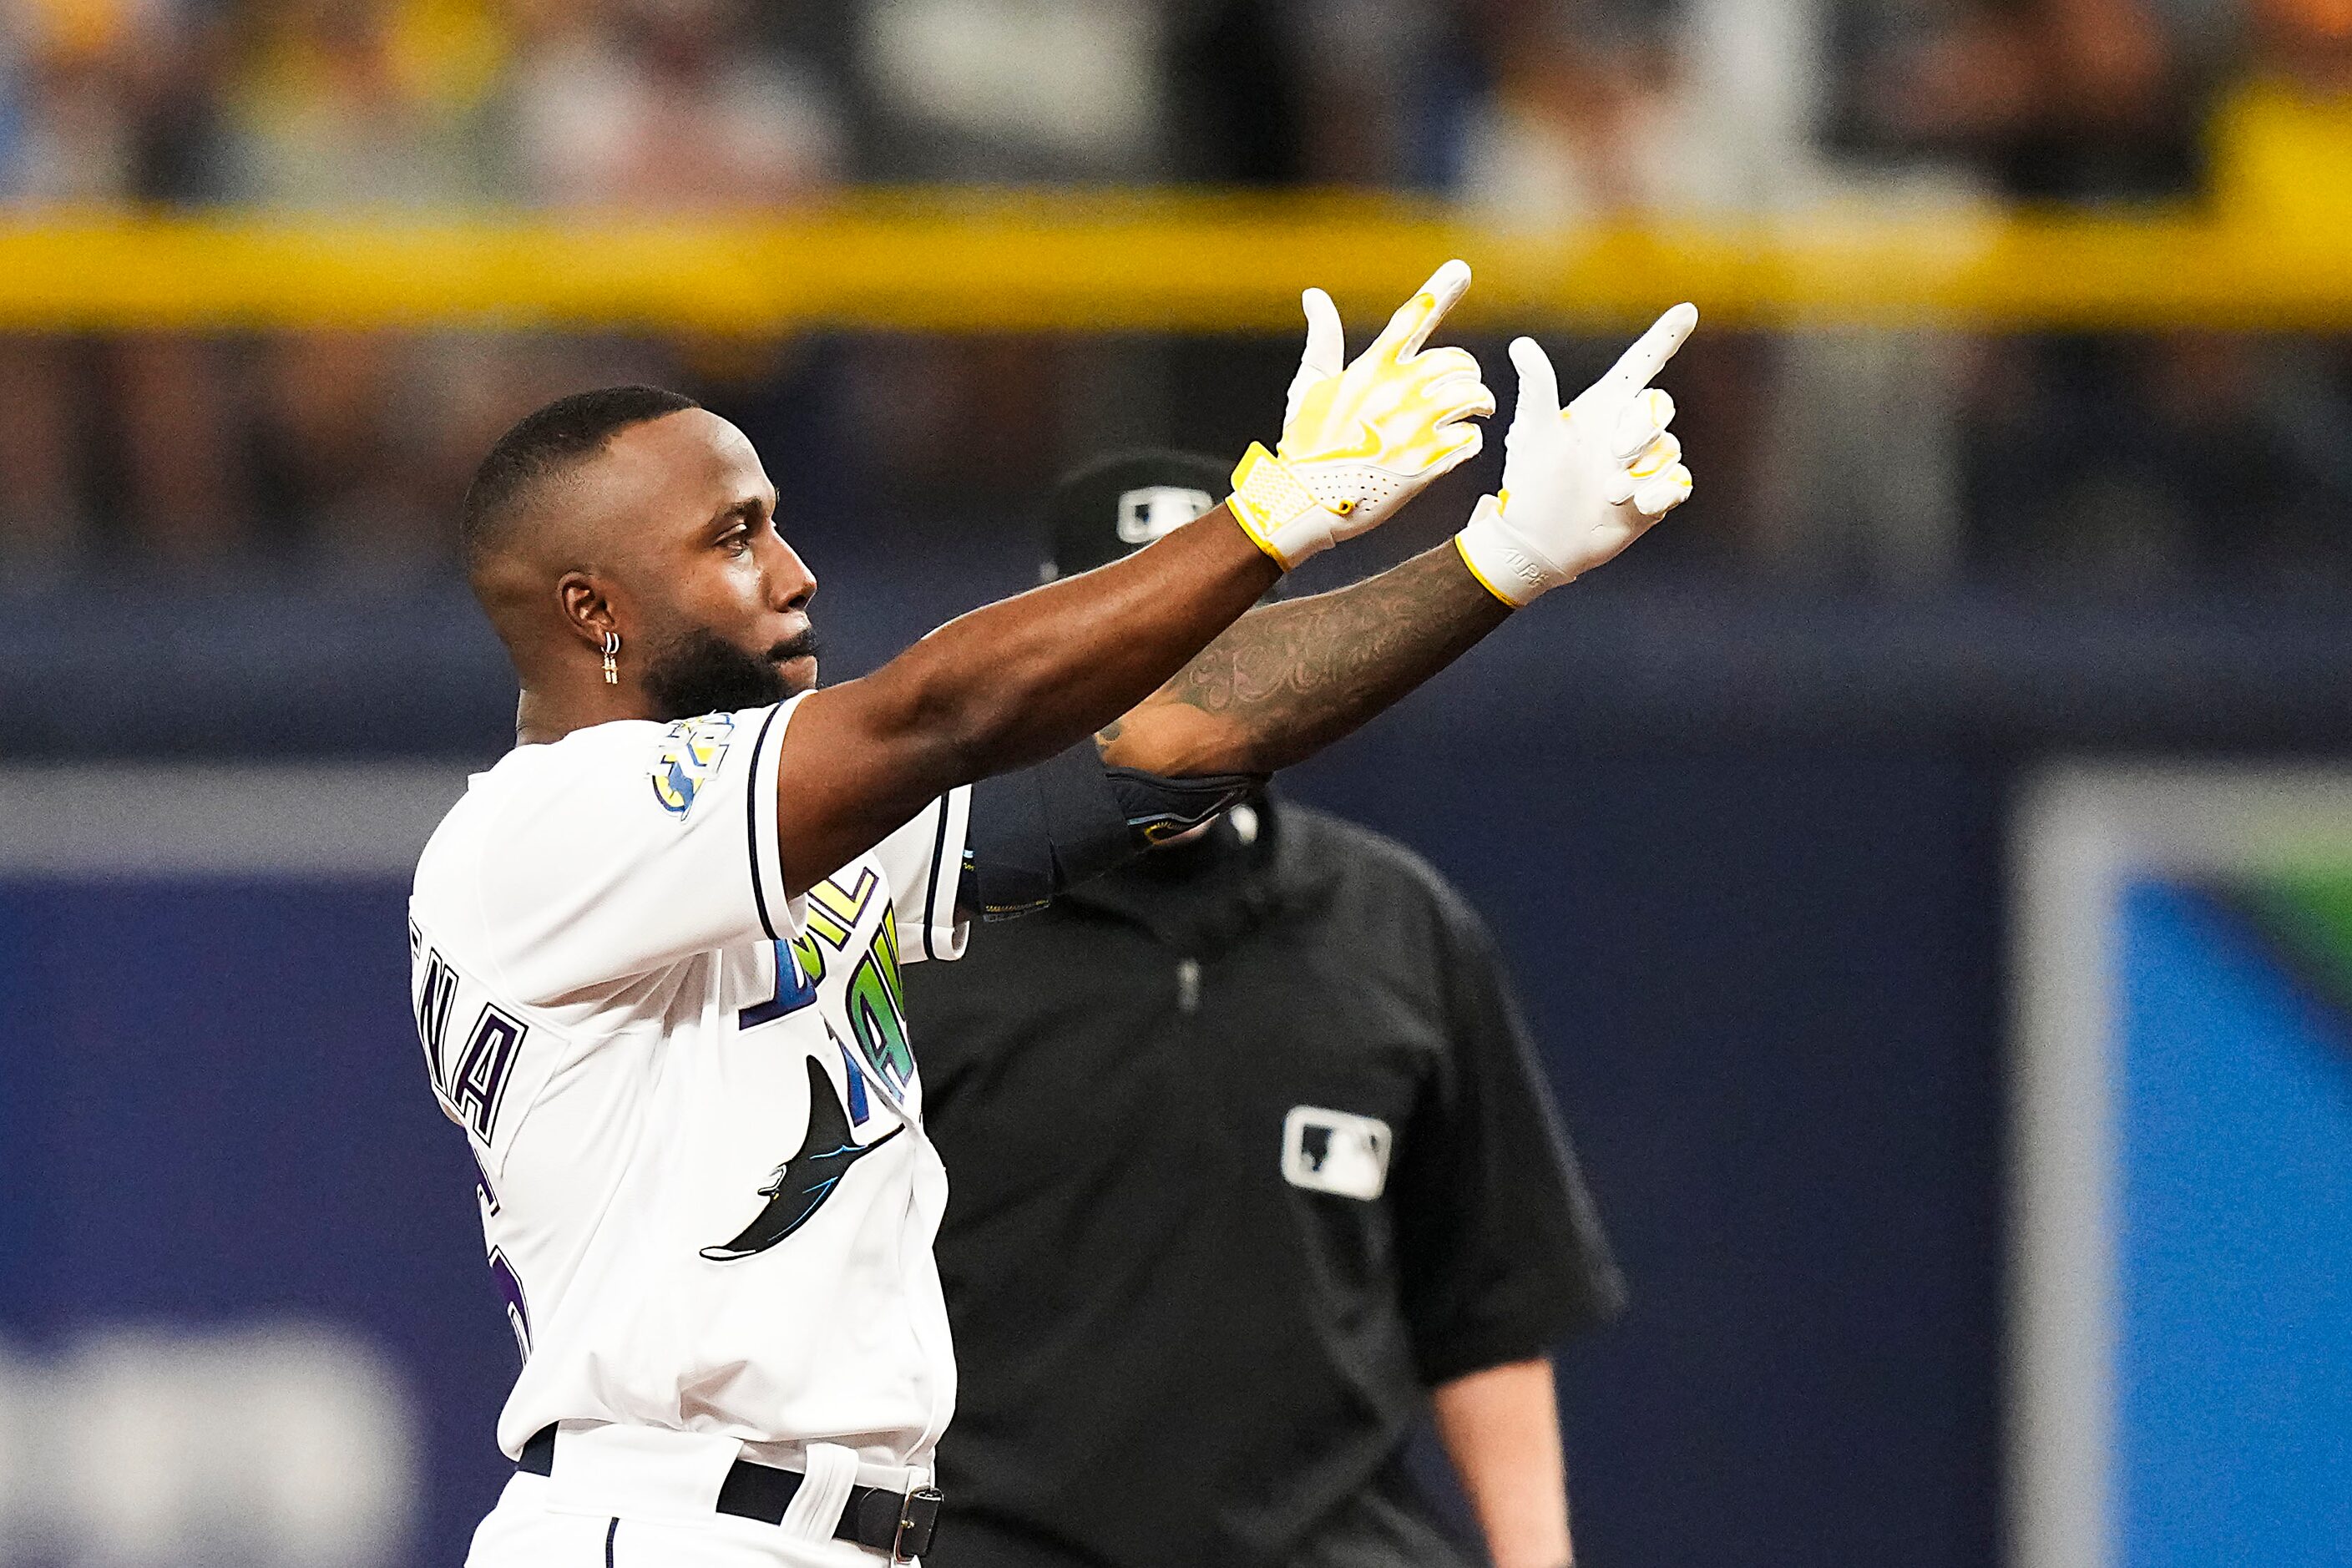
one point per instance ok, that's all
(585, 608)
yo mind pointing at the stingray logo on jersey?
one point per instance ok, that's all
(690, 754)
(802, 1183)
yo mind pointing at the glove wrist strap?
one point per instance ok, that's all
(1493, 554)
(1278, 512)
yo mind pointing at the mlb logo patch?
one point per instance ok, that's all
(1155, 510)
(690, 754)
(1334, 1152)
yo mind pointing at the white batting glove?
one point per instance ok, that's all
(1580, 485)
(1359, 442)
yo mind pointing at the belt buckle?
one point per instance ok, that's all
(918, 1518)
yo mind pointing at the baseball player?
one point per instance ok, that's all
(656, 947)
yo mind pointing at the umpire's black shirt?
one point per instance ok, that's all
(1186, 1332)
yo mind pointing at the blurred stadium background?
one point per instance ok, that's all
(1943, 980)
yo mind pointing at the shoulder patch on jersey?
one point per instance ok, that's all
(691, 753)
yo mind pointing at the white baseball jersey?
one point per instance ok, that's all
(705, 1189)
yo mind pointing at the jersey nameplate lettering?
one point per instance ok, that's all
(471, 1079)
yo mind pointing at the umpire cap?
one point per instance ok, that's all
(1117, 505)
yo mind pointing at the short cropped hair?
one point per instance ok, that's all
(545, 443)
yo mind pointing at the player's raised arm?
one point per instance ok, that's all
(1021, 679)
(1579, 486)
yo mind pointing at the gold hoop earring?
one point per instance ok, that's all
(612, 649)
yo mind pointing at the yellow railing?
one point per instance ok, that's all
(1073, 261)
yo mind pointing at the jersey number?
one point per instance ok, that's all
(502, 1272)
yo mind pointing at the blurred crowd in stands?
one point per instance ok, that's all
(1891, 458)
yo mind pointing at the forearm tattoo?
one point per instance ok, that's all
(1292, 677)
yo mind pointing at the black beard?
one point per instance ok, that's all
(700, 672)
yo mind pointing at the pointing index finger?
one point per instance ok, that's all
(1646, 358)
(1410, 328)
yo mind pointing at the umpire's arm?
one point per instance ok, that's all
(1502, 1255)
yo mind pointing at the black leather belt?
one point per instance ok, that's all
(899, 1524)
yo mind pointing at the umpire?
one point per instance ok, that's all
(1252, 1162)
